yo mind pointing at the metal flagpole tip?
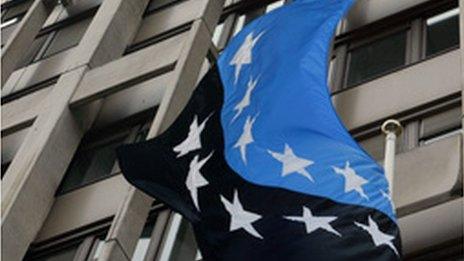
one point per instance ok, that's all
(391, 125)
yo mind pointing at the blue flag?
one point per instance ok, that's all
(259, 161)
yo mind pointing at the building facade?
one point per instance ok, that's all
(80, 77)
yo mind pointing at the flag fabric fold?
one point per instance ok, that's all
(258, 160)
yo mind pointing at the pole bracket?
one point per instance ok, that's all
(392, 126)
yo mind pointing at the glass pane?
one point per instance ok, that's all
(17, 10)
(442, 32)
(441, 137)
(185, 246)
(377, 58)
(63, 255)
(144, 241)
(239, 24)
(90, 165)
(67, 37)
(158, 4)
(9, 22)
(217, 33)
(441, 123)
(8, 30)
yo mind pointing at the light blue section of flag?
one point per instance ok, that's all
(291, 105)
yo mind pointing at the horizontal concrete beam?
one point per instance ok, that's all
(37, 72)
(128, 70)
(96, 202)
(432, 226)
(21, 112)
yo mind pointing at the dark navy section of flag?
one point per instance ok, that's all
(258, 160)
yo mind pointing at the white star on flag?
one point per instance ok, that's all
(292, 164)
(241, 218)
(244, 54)
(193, 140)
(352, 180)
(313, 223)
(194, 178)
(245, 102)
(246, 137)
(378, 236)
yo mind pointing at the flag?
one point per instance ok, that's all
(258, 160)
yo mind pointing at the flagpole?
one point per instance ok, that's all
(392, 129)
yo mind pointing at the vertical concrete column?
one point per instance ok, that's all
(461, 28)
(24, 35)
(30, 183)
(130, 219)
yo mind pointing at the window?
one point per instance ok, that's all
(7, 27)
(5, 168)
(10, 146)
(61, 254)
(442, 32)
(217, 33)
(180, 242)
(66, 37)
(58, 40)
(93, 161)
(14, 9)
(375, 58)
(240, 22)
(95, 158)
(440, 126)
(155, 5)
(9, 22)
(77, 246)
(143, 243)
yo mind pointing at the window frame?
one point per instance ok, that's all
(424, 19)
(370, 40)
(414, 18)
(125, 131)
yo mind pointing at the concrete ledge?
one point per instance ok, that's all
(21, 112)
(432, 226)
(84, 206)
(428, 175)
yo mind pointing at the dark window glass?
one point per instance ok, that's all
(8, 28)
(440, 126)
(144, 240)
(442, 32)
(185, 246)
(5, 168)
(376, 58)
(159, 4)
(91, 163)
(61, 255)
